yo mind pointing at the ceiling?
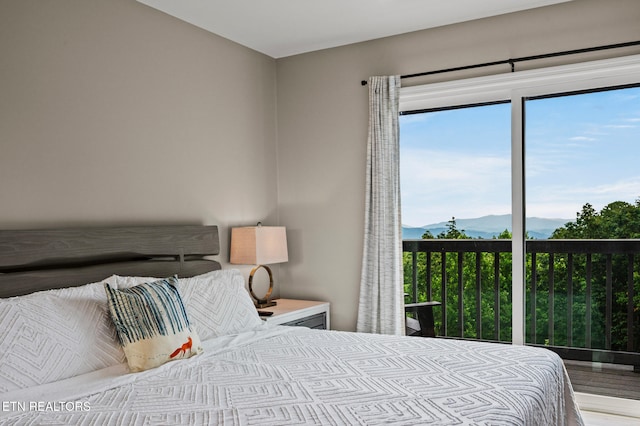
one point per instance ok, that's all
(281, 28)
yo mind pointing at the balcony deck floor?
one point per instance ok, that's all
(604, 380)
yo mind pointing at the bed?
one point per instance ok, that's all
(63, 363)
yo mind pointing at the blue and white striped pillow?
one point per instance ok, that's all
(152, 324)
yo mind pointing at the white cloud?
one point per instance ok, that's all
(619, 126)
(566, 200)
(582, 138)
(437, 185)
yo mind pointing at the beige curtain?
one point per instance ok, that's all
(381, 307)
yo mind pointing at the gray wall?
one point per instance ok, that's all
(114, 113)
(322, 125)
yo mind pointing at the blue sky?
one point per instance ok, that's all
(578, 149)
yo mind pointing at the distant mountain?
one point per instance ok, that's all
(488, 227)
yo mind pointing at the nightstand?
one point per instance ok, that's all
(300, 313)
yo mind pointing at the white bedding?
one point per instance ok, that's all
(290, 375)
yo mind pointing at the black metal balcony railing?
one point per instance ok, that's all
(582, 296)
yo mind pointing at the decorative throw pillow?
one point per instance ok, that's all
(218, 302)
(152, 324)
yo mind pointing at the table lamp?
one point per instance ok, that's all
(259, 245)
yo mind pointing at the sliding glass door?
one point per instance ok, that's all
(565, 273)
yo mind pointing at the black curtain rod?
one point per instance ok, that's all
(512, 61)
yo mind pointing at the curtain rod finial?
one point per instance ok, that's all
(363, 82)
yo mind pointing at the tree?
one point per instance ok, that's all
(453, 233)
(616, 220)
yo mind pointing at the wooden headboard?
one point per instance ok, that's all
(34, 260)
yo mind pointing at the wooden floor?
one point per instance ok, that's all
(604, 380)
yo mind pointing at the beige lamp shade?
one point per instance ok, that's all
(258, 245)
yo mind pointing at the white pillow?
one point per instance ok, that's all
(56, 334)
(217, 302)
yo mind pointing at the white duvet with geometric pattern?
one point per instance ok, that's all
(296, 376)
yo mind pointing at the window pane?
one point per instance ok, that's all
(581, 166)
(456, 185)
